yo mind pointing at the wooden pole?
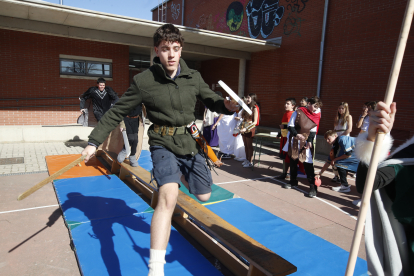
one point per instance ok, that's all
(389, 96)
(50, 178)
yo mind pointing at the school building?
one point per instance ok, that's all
(340, 50)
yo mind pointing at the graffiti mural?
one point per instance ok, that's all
(175, 11)
(201, 22)
(263, 16)
(210, 25)
(292, 24)
(234, 16)
(296, 6)
(293, 21)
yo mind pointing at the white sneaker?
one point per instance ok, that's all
(245, 162)
(357, 202)
(342, 189)
(248, 165)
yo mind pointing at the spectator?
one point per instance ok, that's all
(210, 122)
(343, 120)
(342, 126)
(290, 104)
(299, 145)
(239, 149)
(225, 127)
(342, 157)
(131, 125)
(103, 97)
(363, 121)
(248, 134)
(303, 102)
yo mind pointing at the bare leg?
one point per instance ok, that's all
(161, 220)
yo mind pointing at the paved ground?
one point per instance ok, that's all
(29, 246)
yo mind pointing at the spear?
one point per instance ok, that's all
(389, 95)
(50, 178)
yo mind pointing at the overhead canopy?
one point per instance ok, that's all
(53, 19)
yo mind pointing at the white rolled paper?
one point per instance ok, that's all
(235, 97)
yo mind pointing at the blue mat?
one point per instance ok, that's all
(311, 254)
(97, 197)
(110, 228)
(120, 246)
(145, 160)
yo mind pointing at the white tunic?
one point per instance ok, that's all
(225, 129)
(239, 151)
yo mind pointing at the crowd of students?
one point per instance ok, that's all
(300, 123)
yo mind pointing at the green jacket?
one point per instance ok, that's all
(168, 103)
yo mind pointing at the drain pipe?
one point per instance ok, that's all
(61, 2)
(182, 14)
(325, 15)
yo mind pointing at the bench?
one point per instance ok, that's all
(232, 242)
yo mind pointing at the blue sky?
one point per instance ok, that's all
(133, 8)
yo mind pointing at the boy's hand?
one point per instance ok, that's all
(231, 105)
(300, 137)
(88, 152)
(381, 119)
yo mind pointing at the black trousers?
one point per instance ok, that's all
(342, 176)
(309, 170)
(133, 142)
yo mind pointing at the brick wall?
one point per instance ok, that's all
(360, 44)
(30, 69)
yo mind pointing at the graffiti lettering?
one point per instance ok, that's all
(292, 24)
(201, 22)
(210, 25)
(175, 11)
(263, 16)
(295, 6)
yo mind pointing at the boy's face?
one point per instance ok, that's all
(303, 103)
(313, 107)
(169, 54)
(331, 139)
(289, 106)
(101, 86)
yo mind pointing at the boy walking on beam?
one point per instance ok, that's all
(169, 90)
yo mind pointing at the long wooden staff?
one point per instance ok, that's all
(389, 95)
(50, 178)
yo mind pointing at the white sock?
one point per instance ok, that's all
(156, 262)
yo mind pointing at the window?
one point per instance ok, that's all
(85, 68)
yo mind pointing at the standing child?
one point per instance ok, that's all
(248, 134)
(302, 128)
(289, 109)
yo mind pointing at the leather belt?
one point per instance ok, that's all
(169, 130)
(133, 117)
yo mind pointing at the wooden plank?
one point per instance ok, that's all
(221, 253)
(258, 255)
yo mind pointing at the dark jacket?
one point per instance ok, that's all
(168, 103)
(101, 100)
